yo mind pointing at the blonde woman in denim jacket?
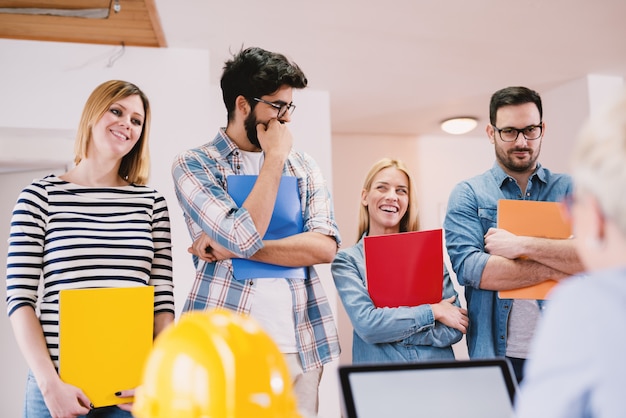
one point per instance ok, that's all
(424, 332)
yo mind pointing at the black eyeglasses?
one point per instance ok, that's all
(282, 107)
(531, 133)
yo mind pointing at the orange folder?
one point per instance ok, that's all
(404, 269)
(532, 219)
(105, 336)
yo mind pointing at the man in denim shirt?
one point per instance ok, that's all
(487, 259)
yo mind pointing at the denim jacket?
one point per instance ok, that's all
(472, 210)
(402, 334)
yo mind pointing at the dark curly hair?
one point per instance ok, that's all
(255, 72)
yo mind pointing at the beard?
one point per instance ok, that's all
(250, 124)
(514, 164)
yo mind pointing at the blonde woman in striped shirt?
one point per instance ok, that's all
(97, 225)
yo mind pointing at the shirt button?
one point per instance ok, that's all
(238, 167)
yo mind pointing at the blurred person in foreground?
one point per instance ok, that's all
(577, 366)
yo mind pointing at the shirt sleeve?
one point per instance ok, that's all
(318, 215)
(464, 234)
(161, 271)
(440, 335)
(384, 325)
(200, 187)
(26, 241)
(563, 369)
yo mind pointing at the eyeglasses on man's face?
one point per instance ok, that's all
(282, 107)
(530, 132)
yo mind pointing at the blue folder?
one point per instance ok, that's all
(286, 221)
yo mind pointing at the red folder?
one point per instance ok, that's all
(404, 269)
(532, 219)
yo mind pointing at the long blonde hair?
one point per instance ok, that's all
(135, 166)
(410, 220)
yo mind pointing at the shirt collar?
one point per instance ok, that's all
(224, 144)
(500, 176)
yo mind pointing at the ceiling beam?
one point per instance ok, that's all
(136, 24)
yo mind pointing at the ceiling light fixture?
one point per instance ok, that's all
(459, 125)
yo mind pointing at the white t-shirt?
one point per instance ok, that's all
(272, 305)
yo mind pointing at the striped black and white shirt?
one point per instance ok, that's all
(67, 236)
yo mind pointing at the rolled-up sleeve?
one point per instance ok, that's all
(201, 190)
(317, 204)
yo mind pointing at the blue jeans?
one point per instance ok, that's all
(35, 406)
(518, 367)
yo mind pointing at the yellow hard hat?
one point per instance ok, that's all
(215, 364)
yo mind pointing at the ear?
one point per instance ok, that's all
(491, 133)
(242, 106)
(364, 197)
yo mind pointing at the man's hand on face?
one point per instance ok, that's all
(275, 139)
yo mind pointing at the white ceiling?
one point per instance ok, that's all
(399, 67)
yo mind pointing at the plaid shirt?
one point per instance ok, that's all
(200, 184)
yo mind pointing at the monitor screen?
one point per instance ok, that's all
(459, 389)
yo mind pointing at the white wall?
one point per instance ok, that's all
(44, 87)
(565, 109)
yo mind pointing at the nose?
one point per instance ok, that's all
(285, 118)
(393, 196)
(521, 135)
(125, 121)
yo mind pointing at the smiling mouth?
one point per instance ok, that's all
(120, 135)
(389, 209)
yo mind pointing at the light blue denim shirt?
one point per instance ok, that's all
(472, 210)
(404, 334)
(577, 368)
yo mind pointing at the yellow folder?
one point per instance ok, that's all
(105, 336)
(532, 219)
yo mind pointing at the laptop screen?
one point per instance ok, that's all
(458, 389)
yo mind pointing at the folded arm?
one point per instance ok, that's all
(385, 325)
(304, 249)
(518, 261)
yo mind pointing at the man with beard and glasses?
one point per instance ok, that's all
(257, 87)
(487, 259)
